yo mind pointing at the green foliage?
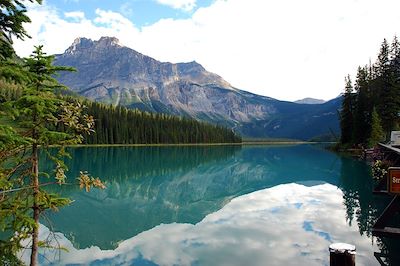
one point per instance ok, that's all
(119, 125)
(372, 112)
(379, 170)
(346, 114)
(9, 90)
(362, 109)
(30, 112)
(29, 123)
(377, 134)
(86, 181)
(7, 257)
(12, 19)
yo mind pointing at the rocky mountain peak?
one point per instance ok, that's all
(108, 41)
(82, 44)
(118, 75)
(79, 43)
(190, 66)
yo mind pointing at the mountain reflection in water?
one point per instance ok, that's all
(285, 225)
(147, 186)
(185, 206)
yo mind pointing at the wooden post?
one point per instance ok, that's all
(342, 254)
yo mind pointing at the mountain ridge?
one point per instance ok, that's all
(111, 73)
(309, 100)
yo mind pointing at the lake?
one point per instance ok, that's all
(215, 205)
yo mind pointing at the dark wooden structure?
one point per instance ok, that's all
(390, 153)
(380, 227)
(342, 254)
(385, 187)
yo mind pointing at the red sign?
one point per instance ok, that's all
(394, 180)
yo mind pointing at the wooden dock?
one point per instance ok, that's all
(380, 228)
(390, 153)
(391, 148)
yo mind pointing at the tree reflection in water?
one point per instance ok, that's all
(365, 208)
(149, 186)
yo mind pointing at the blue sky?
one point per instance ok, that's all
(287, 49)
(140, 12)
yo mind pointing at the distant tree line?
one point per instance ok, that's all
(120, 125)
(371, 107)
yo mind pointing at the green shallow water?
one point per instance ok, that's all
(216, 205)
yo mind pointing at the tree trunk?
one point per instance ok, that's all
(36, 211)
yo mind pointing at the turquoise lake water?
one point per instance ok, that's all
(215, 205)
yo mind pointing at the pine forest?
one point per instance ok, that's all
(119, 125)
(371, 106)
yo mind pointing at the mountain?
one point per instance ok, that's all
(112, 73)
(310, 101)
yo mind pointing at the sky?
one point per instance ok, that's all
(286, 49)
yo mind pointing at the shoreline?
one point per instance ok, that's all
(245, 143)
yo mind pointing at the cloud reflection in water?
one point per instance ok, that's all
(285, 225)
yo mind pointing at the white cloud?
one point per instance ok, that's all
(113, 20)
(75, 15)
(186, 5)
(284, 49)
(56, 34)
(287, 219)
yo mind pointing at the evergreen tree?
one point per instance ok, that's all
(387, 107)
(377, 134)
(30, 123)
(395, 57)
(12, 19)
(394, 92)
(378, 87)
(346, 113)
(119, 125)
(382, 65)
(363, 107)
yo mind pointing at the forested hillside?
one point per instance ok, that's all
(371, 107)
(119, 125)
